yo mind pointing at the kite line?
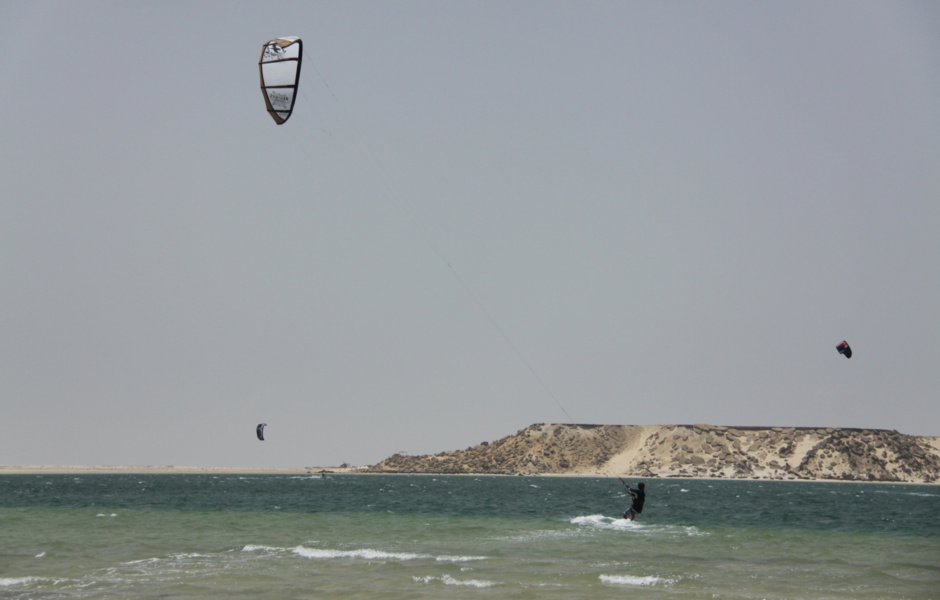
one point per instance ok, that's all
(429, 239)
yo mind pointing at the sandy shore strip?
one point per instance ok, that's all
(135, 470)
(170, 470)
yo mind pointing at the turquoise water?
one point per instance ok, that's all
(374, 536)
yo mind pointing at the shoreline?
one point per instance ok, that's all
(694, 452)
(165, 470)
(175, 470)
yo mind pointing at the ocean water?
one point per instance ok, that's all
(398, 536)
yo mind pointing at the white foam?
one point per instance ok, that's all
(602, 522)
(590, 520)
(620, 524)
(633, 580)
(11, 581)
(142, 561)
(189, 555)
(477, 583)
(104, 515)
(41, 555)
(457, 559)
(365, 553)
(449, 580)
(257, 548)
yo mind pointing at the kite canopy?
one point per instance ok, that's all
(280, 74)
(844, 348)
(260, 431)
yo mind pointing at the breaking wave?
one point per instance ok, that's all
(633, 580)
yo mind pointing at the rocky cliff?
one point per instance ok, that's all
(691, 451)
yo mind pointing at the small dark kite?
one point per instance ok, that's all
(844, 348)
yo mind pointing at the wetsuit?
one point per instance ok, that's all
(639, 497)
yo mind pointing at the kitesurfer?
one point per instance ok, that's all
(639, 497)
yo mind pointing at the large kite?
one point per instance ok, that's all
(280, 74)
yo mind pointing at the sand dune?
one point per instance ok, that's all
(781, 453)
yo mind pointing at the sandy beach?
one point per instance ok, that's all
(164, 470)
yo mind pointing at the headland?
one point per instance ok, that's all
(701, 451)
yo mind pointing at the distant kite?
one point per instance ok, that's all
(260, 431)
(280, 75)
(844, 348)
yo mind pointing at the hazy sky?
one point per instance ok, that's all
(482, 215)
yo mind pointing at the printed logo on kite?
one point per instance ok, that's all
(844, 348)
(260, 431)
(273, 51)
(280, 75)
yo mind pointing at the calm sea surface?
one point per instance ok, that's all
(375, 536)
